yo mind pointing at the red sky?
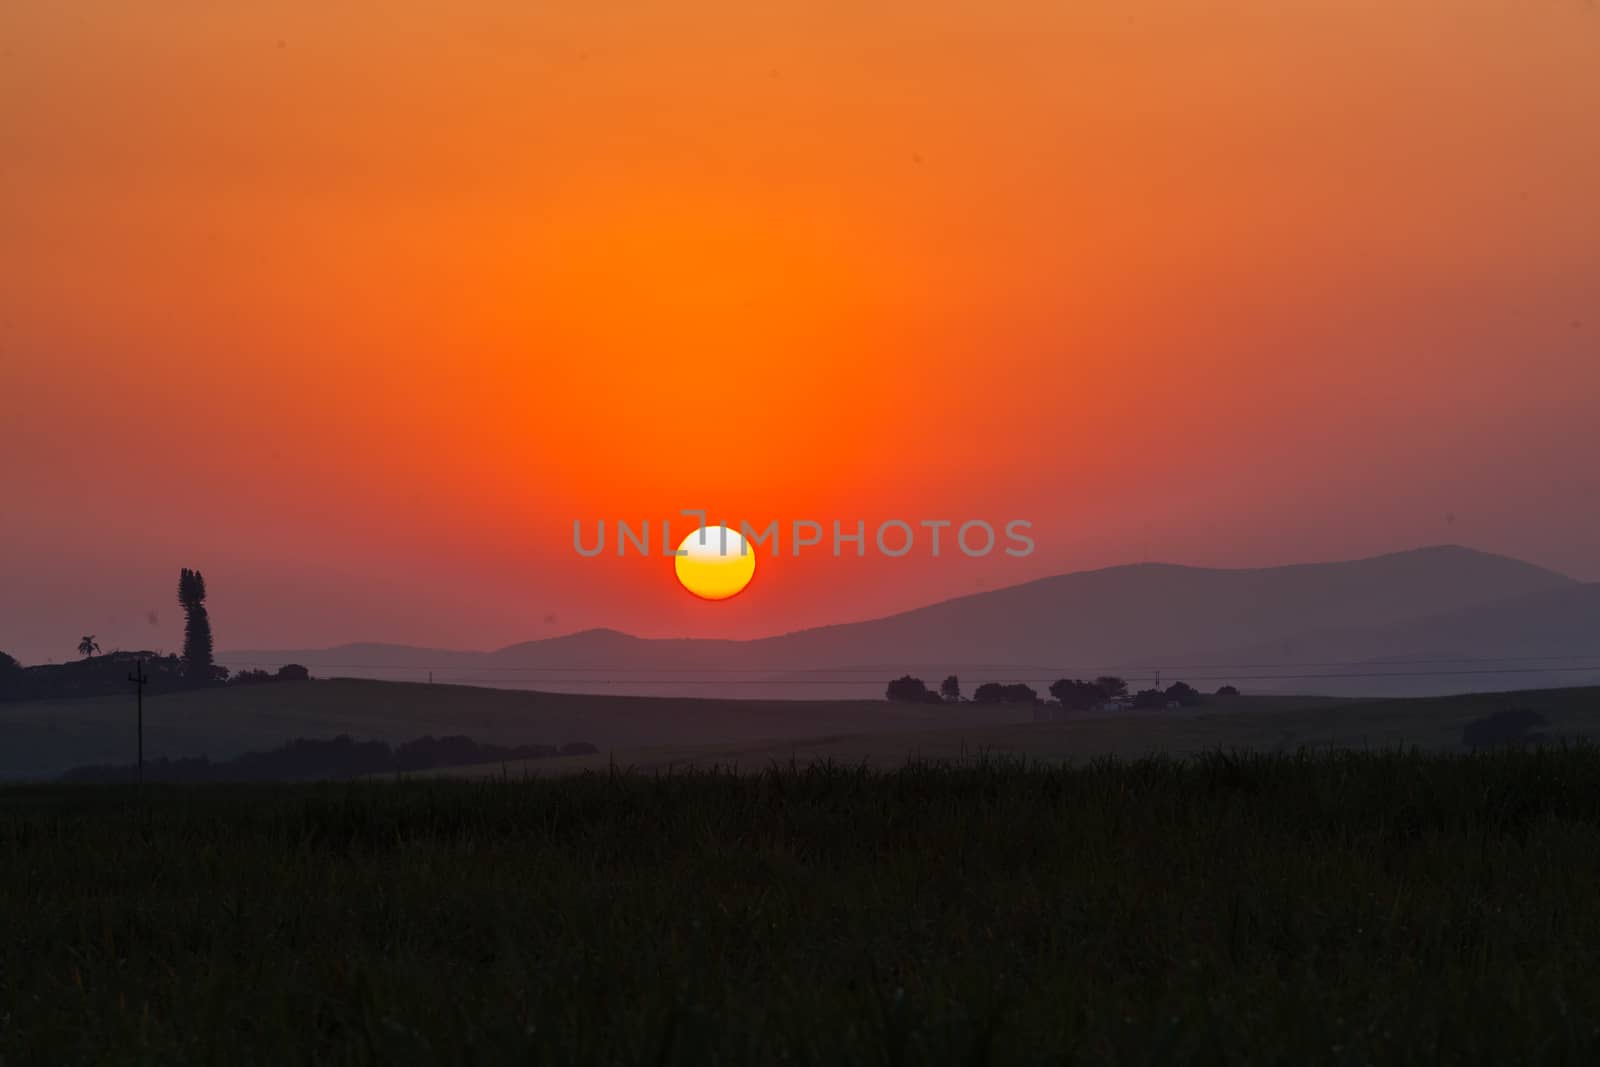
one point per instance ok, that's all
(357, 307)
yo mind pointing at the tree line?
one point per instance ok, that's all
(99, 673)
(1072, 694)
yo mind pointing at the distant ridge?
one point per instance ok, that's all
(1446, 598)
(1540, 631)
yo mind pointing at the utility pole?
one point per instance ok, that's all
(138, 679)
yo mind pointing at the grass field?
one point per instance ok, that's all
(42, 738)
(1256, 724)
(1343, 908)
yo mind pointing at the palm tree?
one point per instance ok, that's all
(87, 647)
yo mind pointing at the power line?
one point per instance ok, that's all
(1013, 673)
(903, 665)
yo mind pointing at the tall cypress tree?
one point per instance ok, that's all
(197, 661)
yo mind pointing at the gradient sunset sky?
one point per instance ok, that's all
(357, 306)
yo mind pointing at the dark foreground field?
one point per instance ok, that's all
(1346, 908)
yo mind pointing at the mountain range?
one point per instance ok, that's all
(1431, 620)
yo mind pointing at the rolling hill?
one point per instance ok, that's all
(1546, 638)
(1262, 724)
(1444, 601)
(42, 738)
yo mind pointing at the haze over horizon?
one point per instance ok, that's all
(1165, 438)
(1439, 567)
(358, 314)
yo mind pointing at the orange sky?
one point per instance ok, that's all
(357, 306)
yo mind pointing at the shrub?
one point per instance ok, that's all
(1077, 695)
(1185, 695)
(909, 690)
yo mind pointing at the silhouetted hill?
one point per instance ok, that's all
(1549, 637)
(41, 739)
(1140, 614)
(1250, 724)
(92, 676)
(1134, 613)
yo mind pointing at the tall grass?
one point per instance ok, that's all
(1347, 908)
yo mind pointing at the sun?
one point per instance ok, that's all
(716, 563)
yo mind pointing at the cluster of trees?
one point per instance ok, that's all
(99, 674)
(338, 757)
(96, 676)
(909, 690)
(289, 672)
(1077, 695)
(106, 674)
(1180, 693)
(1073, 694)
(1004, 693)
